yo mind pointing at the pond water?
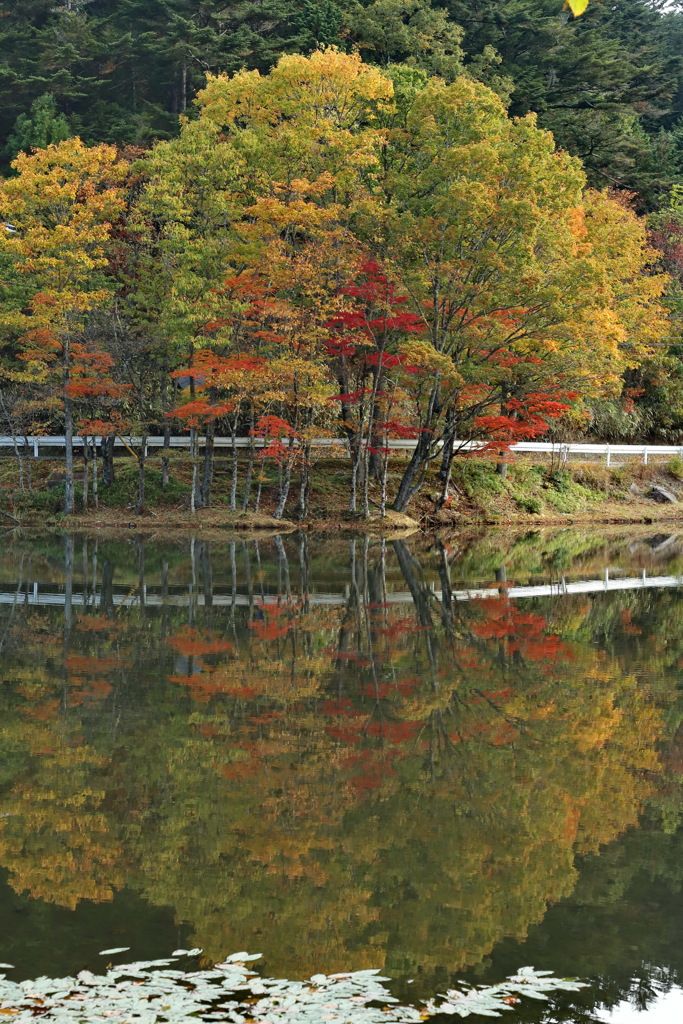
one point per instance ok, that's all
(444, 761)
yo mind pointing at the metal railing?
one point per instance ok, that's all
(36, 446)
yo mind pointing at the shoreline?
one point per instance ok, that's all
(215, 520)
(529, 495)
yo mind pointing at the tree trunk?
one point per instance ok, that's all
(412, 478)
(233, 482)
(86, 481)
(250, 466)
(108, 459)
(167, 428)
(18, 455)
(284, 491)
(258, 494)
(193, 456)
(69, 445)
(95, 496)
(447, 449)
(305, 483)
(207, 478)
(374, 461)
(141, 475)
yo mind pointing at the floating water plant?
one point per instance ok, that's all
(160, 992)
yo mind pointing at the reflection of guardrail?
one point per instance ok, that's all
(42, 446)
(151, 597)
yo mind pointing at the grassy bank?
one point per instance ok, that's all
(576, 492)
(530, 492)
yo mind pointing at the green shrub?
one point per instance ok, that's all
(531, 505)
(478, 478)
(675, 467)
(49, 500)
(560, 479)
(124, 491)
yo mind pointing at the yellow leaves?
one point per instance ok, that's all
(577, 7)
(62, 201)
(422, 354)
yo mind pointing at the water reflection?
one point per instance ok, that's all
(665, 1008)
(324, 752)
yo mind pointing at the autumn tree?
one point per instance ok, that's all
(62, 202)
(490, 235)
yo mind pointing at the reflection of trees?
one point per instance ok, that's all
(344, 786)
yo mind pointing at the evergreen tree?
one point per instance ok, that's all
(39, 128)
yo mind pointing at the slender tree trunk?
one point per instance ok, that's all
(279, 481)
(305, 483)
(384, 477)
(375, 457)
(167, 428)
(250, 466)
(258, 494)
(447, 449)
(502, 467)
(95, 496)
(284, 492)
(68, 438)
(183, 88)
(86, 481)
(207, 478)
(18, 455)
(353, 497)
(141, 475)
(235, 468)
(194, 456)
(358, 454)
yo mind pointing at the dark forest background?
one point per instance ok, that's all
(609, 84)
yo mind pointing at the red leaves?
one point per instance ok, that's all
(521, 419)
(394, 732)
(272, 428)
(401, 430)
(524, 632)
(340, 347)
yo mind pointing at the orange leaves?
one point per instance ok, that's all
(208, 683)
(193, 642)
(85, 664)
(199, 413)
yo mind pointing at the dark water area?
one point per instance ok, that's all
(443, 761)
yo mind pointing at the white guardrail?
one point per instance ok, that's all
(44, 446)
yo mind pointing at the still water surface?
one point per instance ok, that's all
(441, 761)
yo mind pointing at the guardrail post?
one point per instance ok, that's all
(645, 455)
(35, 447)
(608, 454)
(565, 452)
